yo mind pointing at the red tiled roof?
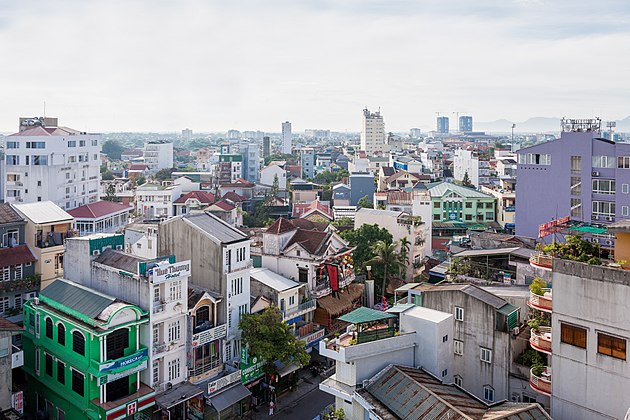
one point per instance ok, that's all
(301, 209)
(43, 131)
(399, 197)
(233, 197)
(6, 325)
(138, 167)
(280, 226)
(309, 224)
(98, 209)
(132, 152)
(311, 240)
(20, 254)
(223, 205)
(239, 183)
(8, 214)
(203, 197)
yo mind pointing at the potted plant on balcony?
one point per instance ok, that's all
(538, 321)
(537, 286)
(538, 369)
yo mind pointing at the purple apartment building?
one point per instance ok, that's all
(579, 175)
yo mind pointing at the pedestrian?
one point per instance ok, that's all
(271, 407)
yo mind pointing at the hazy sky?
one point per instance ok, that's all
(140, 65)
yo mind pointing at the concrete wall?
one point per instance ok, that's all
(587, 384)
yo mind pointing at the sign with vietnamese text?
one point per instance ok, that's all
(17, 402)
(221, 383)
(124, 361)
(174, 271)
(251, 367)
(552, 227)
(112, 377)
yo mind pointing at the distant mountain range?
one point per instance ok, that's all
(537, 125)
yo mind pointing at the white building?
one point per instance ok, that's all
(468, 161)
(155, 201)
(287, 138)
(158, 155)
(269, 173)
(45, 162)
(159, 287)
(307, 160)
(373, 138)
(141, 239)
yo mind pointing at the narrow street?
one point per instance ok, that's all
(307, 407)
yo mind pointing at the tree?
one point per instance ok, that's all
(405, 247)
(362, 239)
(466, 181)
(110, 192)
(343, 222)
(365, 203)
(164, 174)
(267, 336)
(113, 149)
(107, 175)
(576, 249)
(385, 254)
(275, 187)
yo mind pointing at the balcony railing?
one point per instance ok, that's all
(323, 289)
(50, 239)
(541, 261)
(540, 339)
(300, 309)
(542, 303)
(159, 307)
(542, 383)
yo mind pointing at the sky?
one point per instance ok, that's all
(165, 65)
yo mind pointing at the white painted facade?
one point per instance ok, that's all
(141, 240)
(373, 137)
(269, 173)
(237, 264)
(287, 138)
(158, 155)
(62, 166)
(464, 162)
(156, 201)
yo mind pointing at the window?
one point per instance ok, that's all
(78, 343)
(37, 361)
(61, 415)
(174, 331)
(17, 301)
(94, 142)
(576, 185)
(459, 347)
(5, 275)
(534, 159)
(77, 382)
(576, 207)
(81, 143)
(623, 162)
(229, 319)
(156, 372)
(436, 217)
(444, 372)
(40, 160)
(242, 310)
(237, 286)
(573, 335)
(603, 208)
(61, 372)
(13, 160)
(13, 145)
(604, 186)
(35, 145)
(445, 339)
(48, 365)
(4, 346)
(4, 304)
(458, 380)
(236, 348)
(488, 393)
(176, 290)
(173, 369)
(156, 294)
(469, 204)
(576, 164)
(37, 325)
(49, 328)
(61, 334)
(611, 346)
(117, 342)
(603, 161)
(486, 355)
(625, 188)
(459, 313)
(624, 210)
(291, 300)
(72, 143)
(436, 205)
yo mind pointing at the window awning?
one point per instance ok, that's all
(177, 394)
(285, 370)
(229, 397)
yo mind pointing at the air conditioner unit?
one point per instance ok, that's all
(595, 240)
(609, 242)
(594, 173)
(610, 218)
(595, 217)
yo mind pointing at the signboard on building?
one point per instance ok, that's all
(552, 227)
(220, 383)
(124, 361)
(314, 338)
(112, 377)
(17, 402)
(251, 367)
(174, 271)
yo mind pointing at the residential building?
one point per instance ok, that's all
(405, 163)
(442, 125)
(473, 163)
(304, 191)
(11, 357)
(269, 174)
(229, 168)
(307, 161)
(287, 138)
(101, 217)
(141, 239)
(45, 162)
(400, 225)
(453, 202)
(323, 162)
(156, 201)
(291, 298)
(465, 124)
(159, 287)
(83, 353)
(373, 138)
(193, 201)
(315, 211)
(402, 179)
(17, 264)
(361, 185)
(591, 179)
(266, 147)
(251, 160)
(341, 195)
(505, 204)
(408, 393)
(220, 256)
(158, 154)
(47, 227)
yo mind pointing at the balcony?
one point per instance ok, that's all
(542, 383)
(323, 289)
(540, 340)
(343, 348)
(208, 335)
(52, 239)
(298, 310)
(158, 307)
(542, 303)
(17, 357)
(541, 261)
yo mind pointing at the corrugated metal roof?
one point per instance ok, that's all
(363, 314)
(77, 297)
(215, 227)
(42, 212)
(507, 309)
(441, 188)
(273, 280)
(517, 251)
(379, 213)
(120, 260)
(470, 289)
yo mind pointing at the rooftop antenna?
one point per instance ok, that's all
(44, 109)
(611, 125)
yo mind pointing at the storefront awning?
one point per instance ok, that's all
(177, 394)
(285, 370)
(229, 397)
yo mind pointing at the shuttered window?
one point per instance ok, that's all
(573, 335)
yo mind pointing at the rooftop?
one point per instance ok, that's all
(440, 189)
(201, 196)
(76, 297)
(363, 315)
(98, 210)
(43, 212)
(273, 280)
(16, 255)
(8, 214)
(214, 227)
(120, 260)
(469, 289)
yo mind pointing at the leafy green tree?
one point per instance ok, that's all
(386, 255)
(267, 336)
(365, 203)
(363, 238)
(405, 247)
(107, 175)
(164, 174)
(113, 149)
(275, 186)
(576, 249)
(259, 216)
(466, 181)
(343, 222)
(110, 193)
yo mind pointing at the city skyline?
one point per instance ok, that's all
(212, 66)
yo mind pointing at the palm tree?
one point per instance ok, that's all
(405, 246)
(385, 253)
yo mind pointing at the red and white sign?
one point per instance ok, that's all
(554, 226)
(132, 408)
(17, 402)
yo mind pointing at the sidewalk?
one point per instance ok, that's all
(305, 385)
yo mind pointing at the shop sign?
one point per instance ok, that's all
(110, 378)
(251, 367)
(314, 337)
(124, 361)
(17, 402)
(174, 271)
(132, 408)
(221, 383)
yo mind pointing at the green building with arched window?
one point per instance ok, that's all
(82, 355)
